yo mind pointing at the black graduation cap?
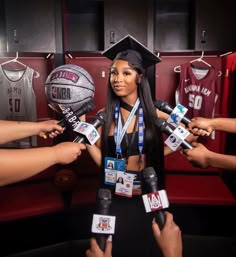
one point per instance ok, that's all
(131, 50)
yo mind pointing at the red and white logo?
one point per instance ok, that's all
(103, 224)
(155, 201)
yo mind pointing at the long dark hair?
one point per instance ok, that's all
(153, 136)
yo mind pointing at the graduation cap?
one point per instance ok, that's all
(131, 50)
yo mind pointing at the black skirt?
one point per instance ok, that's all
(133, 231)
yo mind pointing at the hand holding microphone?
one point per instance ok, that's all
(169, 239)
(165, 107)
(154, 201)
(49, 125)
(103, 224)
(72, 118)
(202, 126)
(175, 138)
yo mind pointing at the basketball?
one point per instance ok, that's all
(69, 85)
(65, 179)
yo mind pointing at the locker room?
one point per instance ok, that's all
(43, 216)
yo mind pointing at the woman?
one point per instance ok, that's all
(130, 138)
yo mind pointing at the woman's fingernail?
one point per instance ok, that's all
(109, 238)
(153, 220)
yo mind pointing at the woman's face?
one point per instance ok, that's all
(123, 79)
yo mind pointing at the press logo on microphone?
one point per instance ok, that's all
(173, 141)
(155, 201)
(177, 115)
(177, 138)
(89, 131)
(103, 224)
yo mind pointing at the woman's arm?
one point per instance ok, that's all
(201, 157)
(221, 124)
(19, 164)
(14, 130)
(95, 153)
(224, 124)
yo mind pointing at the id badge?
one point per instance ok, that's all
(112, 166)
(124, 184)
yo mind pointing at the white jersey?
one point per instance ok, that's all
(18, 101)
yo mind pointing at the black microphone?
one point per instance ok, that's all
(99, 120)
(150, 181)
(71, 117)
(165, 107)
(166, 128)
(104, 200)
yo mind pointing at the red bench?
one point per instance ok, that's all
(198, 189)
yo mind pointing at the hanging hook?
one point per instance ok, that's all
(202, 55)
(15, 59)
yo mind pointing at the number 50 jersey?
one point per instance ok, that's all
(17, 100)
(198, 90)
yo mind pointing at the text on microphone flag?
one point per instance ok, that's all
(155, 201)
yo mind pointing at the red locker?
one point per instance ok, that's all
(166, 83)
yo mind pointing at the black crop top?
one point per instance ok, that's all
(132, 148)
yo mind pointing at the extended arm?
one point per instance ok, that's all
(19, 164)
(14, 130)
(95, 153)
(222, 124)
(201, 157)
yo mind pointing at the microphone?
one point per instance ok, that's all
(71, 117)
(155, 200)
(90, 129)
(165, 127)
(165, 107)
(103, 224)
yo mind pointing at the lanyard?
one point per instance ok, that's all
(140, 133)
(120, 131)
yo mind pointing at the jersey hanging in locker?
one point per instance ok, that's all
(17, 100)
(198, 90)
